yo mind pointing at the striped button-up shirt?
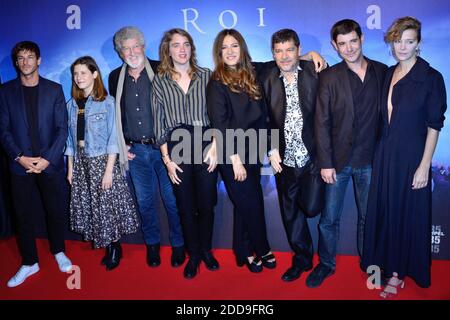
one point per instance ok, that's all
(172, 107)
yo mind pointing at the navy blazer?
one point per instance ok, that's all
(52, 123)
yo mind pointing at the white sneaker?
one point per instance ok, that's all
(64, 264)
(23, 273)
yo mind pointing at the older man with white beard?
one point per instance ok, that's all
(131, 85)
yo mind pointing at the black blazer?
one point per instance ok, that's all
(52, 122)
(230, 110)
(275, 95)
(334, 117)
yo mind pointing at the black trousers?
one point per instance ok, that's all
(196, 198)
(49, 187)
(295, 222)
(249, 233)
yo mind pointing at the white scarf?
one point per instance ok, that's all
(123, 150)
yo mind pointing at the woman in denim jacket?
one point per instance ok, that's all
(101, 206)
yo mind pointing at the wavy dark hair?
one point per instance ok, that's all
(99, 92)
(241, 78)
(344, 27)
(166, 66)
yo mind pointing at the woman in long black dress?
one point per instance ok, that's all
(398, 223)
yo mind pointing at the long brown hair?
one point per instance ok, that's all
(166, 66)
(241, 78)
(99, 92)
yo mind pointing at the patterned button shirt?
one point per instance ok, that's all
(296, 154)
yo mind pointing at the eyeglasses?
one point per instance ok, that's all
(136, 47)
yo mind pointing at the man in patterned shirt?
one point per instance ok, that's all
(290, 87)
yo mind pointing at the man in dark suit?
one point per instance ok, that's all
(33, 133)
(290, 88)
(346, 125)
(131, 85)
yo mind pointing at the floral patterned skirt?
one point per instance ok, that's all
(102, 216)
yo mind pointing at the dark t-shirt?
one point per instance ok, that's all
(81, 125)
(31, 96)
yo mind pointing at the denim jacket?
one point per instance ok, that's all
(100, 136)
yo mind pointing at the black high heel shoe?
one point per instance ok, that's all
(255, 266)
(266, 261)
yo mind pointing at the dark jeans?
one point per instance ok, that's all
(147, 171)
(196, 198)
(50, 188)
(250, 235)
(294, 220)
(331, 215)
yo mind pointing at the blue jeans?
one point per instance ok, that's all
(331, 215)
(146, 170)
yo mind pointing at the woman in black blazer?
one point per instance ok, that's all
(237, 110)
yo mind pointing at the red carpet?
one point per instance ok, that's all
(133, 279)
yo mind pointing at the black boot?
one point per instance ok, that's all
(191, 268)
(113, 255)
(210, 262)
(178, 256)
(240, 262)
(153, 258)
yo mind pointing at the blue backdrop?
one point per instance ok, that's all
(66, 30)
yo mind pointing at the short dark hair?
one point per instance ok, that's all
(344, 27)
(284, 35)
(26, 46)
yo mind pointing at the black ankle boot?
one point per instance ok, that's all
(113, 255)
(210, 262)
(240, 262)
(191, 268)
(153, 257)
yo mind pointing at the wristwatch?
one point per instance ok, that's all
(17, 158)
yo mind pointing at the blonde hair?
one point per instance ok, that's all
(397, 28)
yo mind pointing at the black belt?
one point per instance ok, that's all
(142, 141)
